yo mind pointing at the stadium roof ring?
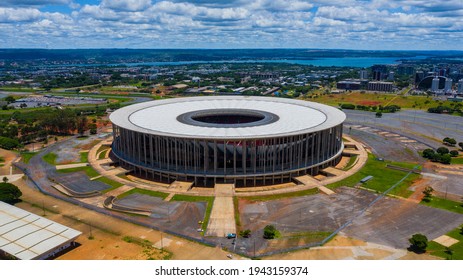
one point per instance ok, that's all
(244, 140)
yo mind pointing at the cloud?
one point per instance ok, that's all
(13, 15)
(126, 5)
(233, 24)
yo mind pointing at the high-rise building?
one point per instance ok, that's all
(460, 86)
(435, 84)
(419, 75)
(448, 85)
(363, 74)
(390, 76)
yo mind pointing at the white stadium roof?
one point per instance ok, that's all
(161, 117)
(28, 236)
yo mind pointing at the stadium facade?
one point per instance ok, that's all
(248, 141)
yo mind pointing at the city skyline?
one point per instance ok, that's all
(330, 24)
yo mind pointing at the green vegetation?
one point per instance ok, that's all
(107, 181)
(383, 177)
(375, 99)
(454, 252)
(308, 237)
(26, 156)
(8, 143)
(9, 193)
(282, 195)
(50, 158)
(351, 162)
(208, 199)
(84, 157)
(144, 192)
(245, 233)
(458, 160)
(418, 243)
(270, 232)
(149, 250)
(445, 204)
(237, 212)
(87, 169)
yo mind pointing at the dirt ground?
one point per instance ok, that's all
(8, 156)
(108, 233)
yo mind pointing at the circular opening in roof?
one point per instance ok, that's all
(227, 118)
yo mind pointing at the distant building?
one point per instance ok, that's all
(419, 75)
(349, 85)
(363, 74)
(405, 69)
(460, 86)
(448, 85)
(390, 76)
(435, 84)
(380, 86)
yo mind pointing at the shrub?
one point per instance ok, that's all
(454, 153)
(9, 193)
(270, 232)
(442, 150)
(348, 106)
(428, 153)
(245, 233)
(8, 143)
(418, 243)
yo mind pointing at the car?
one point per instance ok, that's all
(231, 235)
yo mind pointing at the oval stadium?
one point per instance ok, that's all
(248, 141)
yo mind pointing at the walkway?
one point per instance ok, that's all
(222, 219)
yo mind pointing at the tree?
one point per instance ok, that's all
(428, 153)
(5, 179)
(9, 193)
(270, 232)
(454, 153)
(446, 159)
(442, 150)
(449, 141)
(82, 125)
(461, 145)
(427, 194)
(418, 243)
(379, 114)
(245, 233)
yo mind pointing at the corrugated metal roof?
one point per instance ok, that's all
(28, 236)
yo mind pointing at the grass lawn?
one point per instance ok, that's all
(376, 99)
(436, 249)
(457, 160)
(50, 158)
(26, 157)
(87, 169)
(208, 199)
(107, 181)
(145, 192)
(445, 204)
(307, 237)
(350, 164)
(279, 196)
(383, 177)
(84, 157)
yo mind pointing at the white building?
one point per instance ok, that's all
(435, 84)
(363, 74)
(380, 86)
(390, 76)
(460, 86)
(27, 236)
(448, 85)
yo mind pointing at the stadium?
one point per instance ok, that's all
(248, 141)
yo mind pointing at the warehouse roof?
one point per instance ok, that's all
(28, 236)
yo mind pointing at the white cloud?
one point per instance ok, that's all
(126, 5)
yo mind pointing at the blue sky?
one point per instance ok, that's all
(336, 24)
